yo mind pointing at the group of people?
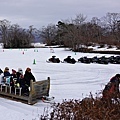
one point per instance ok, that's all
(17, 78)
(111, 90)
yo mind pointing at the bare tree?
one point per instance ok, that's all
(31, 32)
(71, 32)
(4, 26)
(97, 30)
(19, 37)
(49, 33)
(80, 19)
(111, 24)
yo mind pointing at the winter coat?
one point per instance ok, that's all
(14, 76)
(116, 81)
(18, 77)
(28, 76)
(22, 81)
(6, 73)
(23, 84)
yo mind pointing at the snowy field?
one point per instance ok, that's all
(68, 81)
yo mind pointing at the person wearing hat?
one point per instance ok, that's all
(19, 72)
(7, 75)
(28, 76)
(12, 79)
(14, 73)
(6, 72)
(22, 84)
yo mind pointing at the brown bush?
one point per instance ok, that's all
(87, 109)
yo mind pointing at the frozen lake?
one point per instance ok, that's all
(68, 81)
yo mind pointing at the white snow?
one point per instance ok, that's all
(68, 81)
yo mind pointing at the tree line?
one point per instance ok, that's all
(13, 36)
(78, 32)
(74, 33)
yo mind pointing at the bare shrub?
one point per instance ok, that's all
(87, 109)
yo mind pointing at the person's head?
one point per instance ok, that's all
(6, 69)
(20, 70)
(28, 70)
(13, 71)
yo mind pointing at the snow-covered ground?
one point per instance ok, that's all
(68, 81)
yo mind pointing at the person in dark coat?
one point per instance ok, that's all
(14, 73)
(8, 78)
(19, 72)
(28, 76)
(116, 81)
(12, 79)
(23, 85)
(7, 75)
(6, 72)
(112, 88)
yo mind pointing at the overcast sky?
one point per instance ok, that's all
(43, 12)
